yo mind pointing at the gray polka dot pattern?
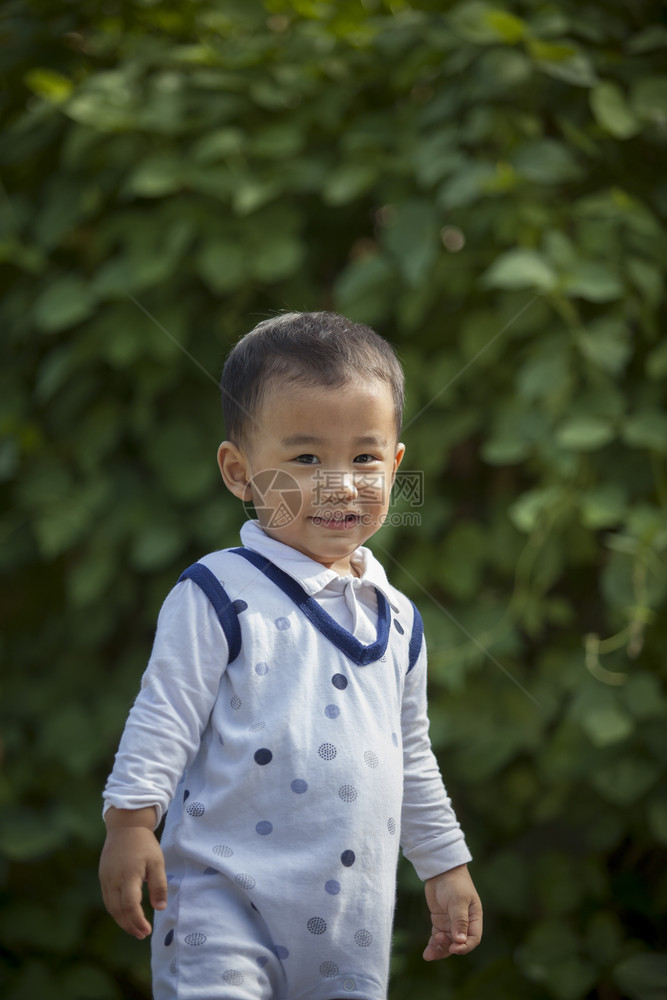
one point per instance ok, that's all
(317, 925)
(233, 977)
(196, 809)
(328, 970)
(371, 759)
(391, 825)
(222, 850)
(195, 939)
(327, 751)
(245, 881)
(347, 793)
(363, 938)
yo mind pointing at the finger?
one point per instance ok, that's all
(459, 919)
(475, 927)
(437, 947)
(156, 877)
(132, 917)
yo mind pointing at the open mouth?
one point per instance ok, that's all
(337, 523)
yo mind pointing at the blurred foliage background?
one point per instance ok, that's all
(483, 182)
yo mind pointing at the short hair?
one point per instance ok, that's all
(307, 349)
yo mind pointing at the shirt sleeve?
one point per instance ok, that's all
(178, 690)
(431, 836)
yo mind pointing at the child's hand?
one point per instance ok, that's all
(456, 914)
(132, 856)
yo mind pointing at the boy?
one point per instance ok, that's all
(282, 716)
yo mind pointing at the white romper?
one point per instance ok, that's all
(291, 771)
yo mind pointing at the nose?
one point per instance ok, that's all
(348, 487)
(336, 485)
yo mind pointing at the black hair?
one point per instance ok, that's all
(308, 349)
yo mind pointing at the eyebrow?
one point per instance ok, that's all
(296, 439)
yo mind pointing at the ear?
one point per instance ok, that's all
(398, 458)
(233, 467)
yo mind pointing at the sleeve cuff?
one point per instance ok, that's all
(436, 857)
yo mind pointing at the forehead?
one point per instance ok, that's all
(362, 409)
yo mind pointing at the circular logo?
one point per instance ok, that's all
(276, 500)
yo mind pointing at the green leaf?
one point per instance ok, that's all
(51, 86)
(252, 193)
(66, 300)
(348, 182)
(157, 175)
(412, 236)
(656, 363)
(182, 459)
(606, 724)
(656, 814)
(468, 185)
(594, 281)
(648, 278)
(532, 505)
(509, 28)
(278, 141)
(25, 834)
(563, 60)
(585, 433)
(642, 977)
(463, 556)
(483, 24)
(520, 268)
(546, 161)
(550, 955)
(606, 343)
(626, 780)
(278, 256)
(364, 289)
(603, 506)
(107, 101)
(612, 111)
(647, 429)
(156, 544)
(649, 99)
(223, 264)
(218, 145)
(546, 371)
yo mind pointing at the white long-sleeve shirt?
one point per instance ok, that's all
(292, 768)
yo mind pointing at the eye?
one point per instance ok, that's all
(365, 459)
(307, 459)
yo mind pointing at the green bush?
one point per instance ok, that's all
(484, 183)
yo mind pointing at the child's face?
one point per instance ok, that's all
(338, 450)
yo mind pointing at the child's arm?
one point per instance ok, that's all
(132, 856)
(160, 740)
(456, 914)
(431, 836)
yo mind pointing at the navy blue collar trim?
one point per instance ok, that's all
(322, 620)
